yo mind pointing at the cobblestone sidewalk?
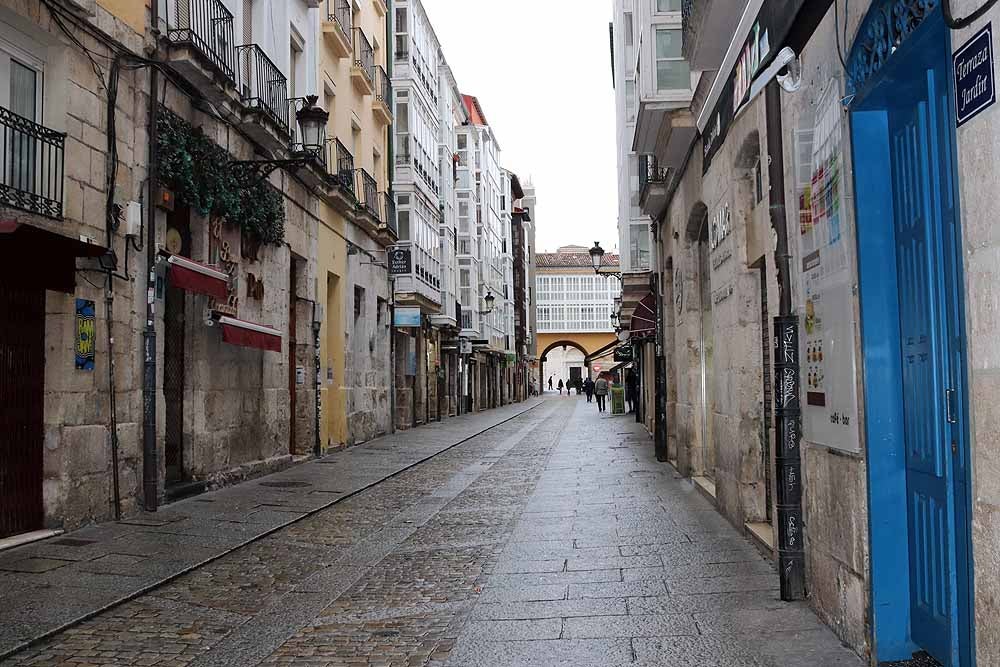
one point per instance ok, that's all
(47, 585)
(552, 539)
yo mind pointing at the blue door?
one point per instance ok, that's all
(920, 215)
(909, 104)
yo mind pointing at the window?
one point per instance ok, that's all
(402, 39)
(639, 246)
(668, 6)
(628, 29)
(359, 302)
(294, 67)
(630, 100)
(402, 129)
(672, 71)
(403, 216)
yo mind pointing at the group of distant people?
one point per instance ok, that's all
(600, 389)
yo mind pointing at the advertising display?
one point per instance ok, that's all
(827, 353)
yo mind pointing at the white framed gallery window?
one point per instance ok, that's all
(665, 6)
(672, 71)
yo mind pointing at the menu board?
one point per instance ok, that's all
(828, 356)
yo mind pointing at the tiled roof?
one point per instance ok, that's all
(572, 260)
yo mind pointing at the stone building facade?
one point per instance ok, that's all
(801, 132)
(62, 416)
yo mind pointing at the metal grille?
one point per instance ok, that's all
(22, 386)
(173, 383)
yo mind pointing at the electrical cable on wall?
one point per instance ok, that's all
(958, 24)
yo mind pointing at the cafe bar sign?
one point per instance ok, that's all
(759, 47)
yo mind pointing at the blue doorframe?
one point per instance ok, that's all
(877, 80)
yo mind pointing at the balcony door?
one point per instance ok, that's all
(21, 99)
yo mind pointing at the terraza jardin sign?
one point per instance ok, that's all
(975, 87)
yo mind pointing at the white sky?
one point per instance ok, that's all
(543, 77)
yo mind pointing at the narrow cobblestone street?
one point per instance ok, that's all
(553, 538)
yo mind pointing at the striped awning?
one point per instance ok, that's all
(643, 322)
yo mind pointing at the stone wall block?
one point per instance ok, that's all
(985, 387)
(86, 448)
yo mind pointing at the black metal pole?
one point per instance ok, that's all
(317, 326)
(150, 464)
(791, 553)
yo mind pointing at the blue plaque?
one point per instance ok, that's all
(975, 88)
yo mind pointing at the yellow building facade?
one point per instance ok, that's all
(357, 226)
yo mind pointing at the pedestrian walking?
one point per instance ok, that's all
(601, 392)
(561, 386)
(550, 383)
(630, 389)
(588, 389)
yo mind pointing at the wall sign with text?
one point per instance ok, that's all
(975, 86)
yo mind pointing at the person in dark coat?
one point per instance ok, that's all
(560, 385)
(588, 389)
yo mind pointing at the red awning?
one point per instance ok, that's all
(198, 278)
(249, 334)
(643, 322)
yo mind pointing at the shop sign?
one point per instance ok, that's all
(406, 317)
(464, 346)
(975, 88)
(623, 353)
(773, 23)
(86, 332)
(400, 261)
(722, 227)
(222, 254)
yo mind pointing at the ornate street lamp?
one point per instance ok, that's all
(597, 256)
(597, 259)
(489, 300)
(312, 125)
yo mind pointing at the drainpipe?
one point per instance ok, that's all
(150, 464)
(317, 327)
(791, 553)
(391, 175)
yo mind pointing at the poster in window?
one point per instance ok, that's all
(827, 354)
(86, 330)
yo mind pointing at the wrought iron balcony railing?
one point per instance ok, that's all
(33, 165)
(650, 172)
(262, 85)
(342, 162)
(339, 12)
(364, 54)
(383, 86)
(388, 216)
(207, 26)
(366, 190)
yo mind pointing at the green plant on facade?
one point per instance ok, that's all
(202, 175)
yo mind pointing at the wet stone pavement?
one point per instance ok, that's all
(551, 539)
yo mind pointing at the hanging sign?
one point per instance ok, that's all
(400, 261)
(767, 33)
(623, 353)
(406, 317)
(975, 87)
(86, 330)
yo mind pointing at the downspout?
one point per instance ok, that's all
(317, 327)
(150, 464)
(791, 553)
(391, 175)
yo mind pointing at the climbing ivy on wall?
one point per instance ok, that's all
(202, 175)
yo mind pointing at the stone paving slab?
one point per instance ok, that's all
(59, 585)
(434, 568)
